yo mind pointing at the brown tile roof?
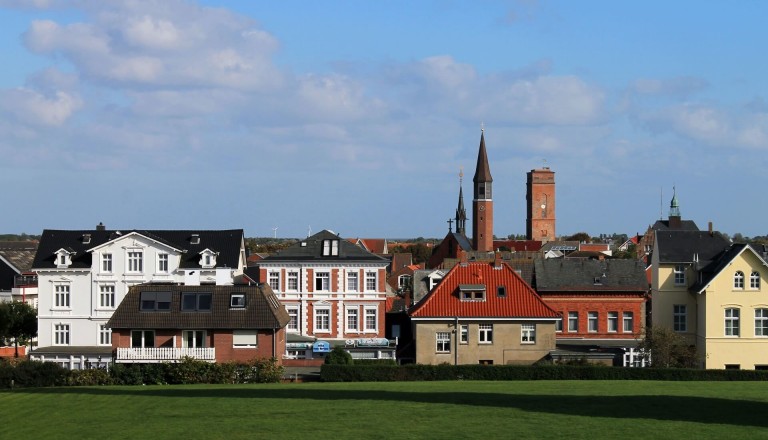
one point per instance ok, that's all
(520, 301)
(262, 310)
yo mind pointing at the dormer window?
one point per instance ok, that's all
(208, 259)
(472, 292)
(86, 238)
(63, 258)
(195, 239)
(330, 248)
(237, 300)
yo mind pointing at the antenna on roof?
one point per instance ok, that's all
(661, 203)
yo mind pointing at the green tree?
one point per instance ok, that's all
(18, 321)
(581, 237)
(338, 356)
(668, 348)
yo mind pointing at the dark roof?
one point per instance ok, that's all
(311, 249)
(675, 246)
(685, 225)
(580, 274)
(262, 309)
(226, 242)
(720, 262)
(483, 171)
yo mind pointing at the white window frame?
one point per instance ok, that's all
(245, 338)
(761, 322)
(144, 339)
(292, 281)
(754, 280)
(679, 275)
(628, 322)
(464, 334)
(738, 280)
(371, 277)
(330, 248)
(273, 279)
(163, 263)
(105, 335)
(528, 333)
(62, 295)
(371, 312)
(293, 324)
(573, 322)
(107, 262)
(107, 296)
(442, 342)
(61, 334)
(134, 261)
(613, 322)
(353, 319)
(353, 281)
(485, 334)
(195, 334)
(592, 322)
(237, 300)
(732, 325)
(559, 325)
(320, 313)
(321, 276)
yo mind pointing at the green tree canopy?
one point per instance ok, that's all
(18, 321)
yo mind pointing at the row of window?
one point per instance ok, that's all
(367, 322)
(150, 301)
(322, 281)
(61, 296)
(194, 338)
(732, 317)
(134, 262)
(61, 334)
(484, 336)
(738, 278)
(593, 319)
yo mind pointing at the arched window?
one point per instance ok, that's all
(754, 280)
(738, 280)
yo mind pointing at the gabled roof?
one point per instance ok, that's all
(226, 242)
(375, 245)
(675, 246)
(18, 254)
(519, 301)
(311, 249)
(262, 309)
(722, 261)
(590, 275)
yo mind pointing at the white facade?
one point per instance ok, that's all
(74, 304)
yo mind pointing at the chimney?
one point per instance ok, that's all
(711, 232)
(463, 258)
(497, 260)
(101, 227)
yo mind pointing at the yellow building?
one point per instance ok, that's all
(711, 292)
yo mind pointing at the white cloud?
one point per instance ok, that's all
(151, 33)
(34, 108)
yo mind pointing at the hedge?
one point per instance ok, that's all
(413, 372)
(29, 374)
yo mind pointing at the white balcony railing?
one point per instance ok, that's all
(163, 354)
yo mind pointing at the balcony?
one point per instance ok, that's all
(163, 354)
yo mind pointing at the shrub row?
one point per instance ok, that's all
(29, 374)
(383, 373)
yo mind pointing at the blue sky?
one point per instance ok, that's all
(357, 116)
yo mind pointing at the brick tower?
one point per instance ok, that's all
(540, 195)
(482, 204)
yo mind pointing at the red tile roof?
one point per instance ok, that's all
(521, 301)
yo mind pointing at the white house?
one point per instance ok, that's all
(84, 275)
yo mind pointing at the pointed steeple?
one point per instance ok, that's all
(461, 213)
(483, 171)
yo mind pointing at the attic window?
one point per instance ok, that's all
(237, 300)
(472, 292)
(155, 301)
(195, 239)
(330, 248)
(501, 291)
(598, 280)
(86, 238)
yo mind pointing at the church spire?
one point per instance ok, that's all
(483, 171)
(674, 205)
(461, 213)
(482, 203)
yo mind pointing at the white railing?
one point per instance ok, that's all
(164, 354)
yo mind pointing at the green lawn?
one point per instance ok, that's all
(536, 409)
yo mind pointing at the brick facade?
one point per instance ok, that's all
(540, 198)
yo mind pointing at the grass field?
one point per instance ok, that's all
(536, 409)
